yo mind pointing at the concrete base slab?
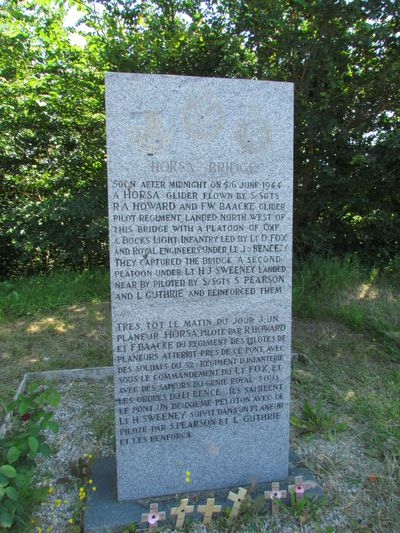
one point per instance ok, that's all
(104, 514)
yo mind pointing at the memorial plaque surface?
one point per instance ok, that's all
(200, 216)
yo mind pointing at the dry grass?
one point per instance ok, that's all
(76, 336)
(355, 381)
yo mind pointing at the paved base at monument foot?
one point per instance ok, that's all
(105, 514)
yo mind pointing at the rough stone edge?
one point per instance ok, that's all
(78, 374)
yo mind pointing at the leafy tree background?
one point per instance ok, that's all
(343, 57)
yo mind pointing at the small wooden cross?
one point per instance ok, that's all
(153, 516)
(208, 510)
(275, 494)
(300, 487)
(181, 512)
(237, 500)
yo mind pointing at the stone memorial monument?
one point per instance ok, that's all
(200, 219)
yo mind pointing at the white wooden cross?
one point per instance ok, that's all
(208, 510)
(181, 512)
(153, 517)
(275, 494)
(237, 500)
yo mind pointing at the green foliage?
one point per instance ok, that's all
(52, 147)
(18, 449)
(305, 509)
(26, 296)
(315, 420)
(382, 413)
(343, 58)
(130, 529)
(391, 272)
(318, 279)
(364, 299)
(81, 468)
(354, 315)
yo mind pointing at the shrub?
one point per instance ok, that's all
(30, 416)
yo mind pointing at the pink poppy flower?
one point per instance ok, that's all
(153, 518)
(299, 489)
(276, 495)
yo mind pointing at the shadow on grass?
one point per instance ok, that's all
(70, 337)
(367, 300)
(27, 296)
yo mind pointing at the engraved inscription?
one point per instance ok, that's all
(200, 200)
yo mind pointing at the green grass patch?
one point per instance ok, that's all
(381, 414)
(366, 299)
(391, 272)
(27, 296)
(317, 280)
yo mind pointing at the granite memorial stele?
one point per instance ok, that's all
(200, 220)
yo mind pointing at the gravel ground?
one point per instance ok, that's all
(356, 501)
(84, 407)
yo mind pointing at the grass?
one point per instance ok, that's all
(328, 287)
(317, 280)
(73, 336)
(345, 372)
(346, 332)
(22, 297)
(316, 419)
(381, 413)
(342, 289)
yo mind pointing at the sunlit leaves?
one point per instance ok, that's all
(343, 58)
